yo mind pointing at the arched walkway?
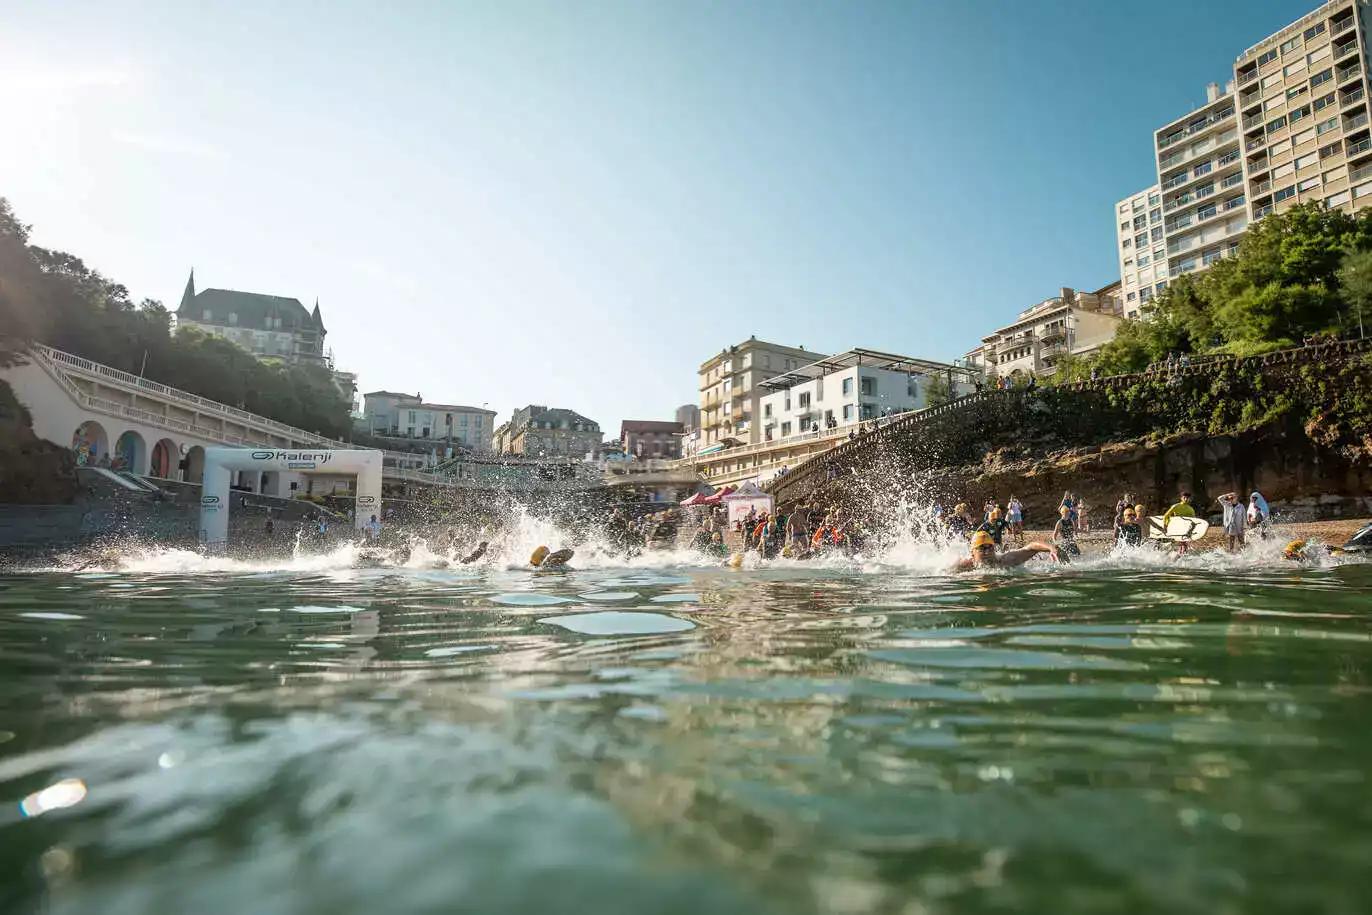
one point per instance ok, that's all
(131, 453)
(91, 442)
(195, 465)
(165, 458)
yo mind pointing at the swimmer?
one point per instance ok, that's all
(1301, 551)
(984, 554)
(542, 559)
(475, 554)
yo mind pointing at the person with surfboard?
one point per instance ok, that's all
(984, 555)
(1182, 509)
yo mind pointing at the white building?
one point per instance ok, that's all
(849, 388)
(387, 413)
(1142, 249)
(1071, 323)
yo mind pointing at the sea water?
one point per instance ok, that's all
(1129, 733)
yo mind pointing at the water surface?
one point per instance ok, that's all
(684, 739)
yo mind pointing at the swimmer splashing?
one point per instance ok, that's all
(984, 555)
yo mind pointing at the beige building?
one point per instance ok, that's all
(1302, 96)
(1143, 257)
(730, 390)
(1200, 174)
(1290, 126)
(537, 431)
(1071, 323)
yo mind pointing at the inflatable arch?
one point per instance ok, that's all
(220, 462)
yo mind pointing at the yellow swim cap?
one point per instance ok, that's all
(539, 555)
(1294, 549)
(981, 539)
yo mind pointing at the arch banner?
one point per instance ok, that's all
(221, 462)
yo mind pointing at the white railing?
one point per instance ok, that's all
(58, 363)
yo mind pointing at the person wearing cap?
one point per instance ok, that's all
(1065, 533)
(1128, 532)
(984, 554)
(996, 527)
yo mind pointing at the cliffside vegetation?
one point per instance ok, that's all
(55, 298)
(1306, 272)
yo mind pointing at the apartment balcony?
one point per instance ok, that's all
(1351, 96)
(1232, 180)
(738, 394)
(1253, 120)
(1348, 73)
(1261, 187)
(1355, 122)
(1248, 76)
(1176, 181)
(1253, 143)
(1052, 336)
(1261, 211)
(1358, 148)
(1193, 129)
(1359, 173)
(1341, 26)
(1343, 50)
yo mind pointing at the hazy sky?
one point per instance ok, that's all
(577, 203)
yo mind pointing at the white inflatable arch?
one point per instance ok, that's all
(220, 462)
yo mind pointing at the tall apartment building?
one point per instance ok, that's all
(730, 389)
(1291, 126)
(1143, 256)
(1200, 174)
(1302, 94)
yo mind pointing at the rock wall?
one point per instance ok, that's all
(32, 471)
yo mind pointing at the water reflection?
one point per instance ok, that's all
(682, 738)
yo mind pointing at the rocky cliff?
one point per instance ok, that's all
(32, 471)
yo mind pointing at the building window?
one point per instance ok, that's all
(1140, 222)
(1326, 126)
(1321, 77)
(1153, 199)
(766, 411)
(233, 317)
(785, 429)
(1283, 193)
(1155, 215)
(869, 387)
(847, 413)
(1141, 239)
(1124, 226)
(1267, 57)
(1155, 233)
(1129, 297)
(206, 313)
(804, 400)
(848, 387)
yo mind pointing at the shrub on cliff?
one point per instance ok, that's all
(1285, 283)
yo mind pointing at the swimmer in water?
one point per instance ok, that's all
(984, 555)
(542, 559)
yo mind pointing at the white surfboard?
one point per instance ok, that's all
(1188, 529)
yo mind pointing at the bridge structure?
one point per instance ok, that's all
(978, 410)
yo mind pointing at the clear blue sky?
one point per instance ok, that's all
(576, 203)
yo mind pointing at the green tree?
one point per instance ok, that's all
(1355, 276)
(937, 390)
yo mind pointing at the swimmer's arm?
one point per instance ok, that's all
(1027, 552)
(963, 565)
